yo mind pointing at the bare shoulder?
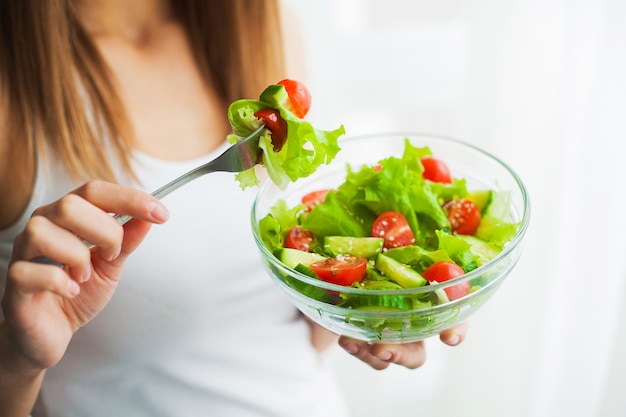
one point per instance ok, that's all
(11, 182)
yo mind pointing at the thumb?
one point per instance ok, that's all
(134, 233)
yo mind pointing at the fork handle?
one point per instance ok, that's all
(122, 218)
(167, 189)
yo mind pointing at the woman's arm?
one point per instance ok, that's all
(321, 338)
(19, 382)
(44, 304)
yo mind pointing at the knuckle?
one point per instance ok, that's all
(66, 205)
(90, 188)
(17, 243)
(25, 277)
(15, 273)
(39, 211)
(56, 279)
(33, 231)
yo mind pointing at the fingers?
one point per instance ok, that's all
(46, 295)
(380, 355)
(27, 278)
(410, 355)
(86, 213)
(454, 335)
(134, 233)
(80, 217)
(42, 238)
(123, 200)
(40, 322)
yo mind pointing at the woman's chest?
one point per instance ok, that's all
(175, 114)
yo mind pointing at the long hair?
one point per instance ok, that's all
(62, 96)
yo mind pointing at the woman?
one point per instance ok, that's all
(102, 102)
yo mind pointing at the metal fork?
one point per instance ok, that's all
(241, 156)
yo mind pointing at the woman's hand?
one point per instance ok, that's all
(45, 304)
(410, 355)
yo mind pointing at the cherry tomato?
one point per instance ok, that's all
(435, 170)
(299, 238)
(464, 216)
(341, 270)
(299, 97)
(314, 198)
(394, 228)
(276, 125)
(443, 271)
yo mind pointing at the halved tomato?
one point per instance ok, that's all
(275, 124)
(314, 198)
(436, 170)
(394, 228)
(299, 238)
(299, 97)
(464, 216)
(443, 271)
(341, 270)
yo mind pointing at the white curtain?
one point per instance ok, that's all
(541, 84)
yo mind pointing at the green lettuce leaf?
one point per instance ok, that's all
(275, 225)
(495, 226)
(398, 186)
(458, 249)
(305, 149)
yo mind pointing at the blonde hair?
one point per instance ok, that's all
(47, 64)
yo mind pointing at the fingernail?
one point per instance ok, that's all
(158, 211)
(384, 356)
(454, 340)
(86, 275)
(73, 288)
(114, 255)
(351, 348)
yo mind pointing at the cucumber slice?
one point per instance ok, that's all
(365, 247)
(293, 257)
(399, 272)
(499, 206)
(481, 198)
(308, 290)
(481, 248)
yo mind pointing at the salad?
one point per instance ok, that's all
(291, 147)
(404, 222)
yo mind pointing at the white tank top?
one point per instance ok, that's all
(196, 327)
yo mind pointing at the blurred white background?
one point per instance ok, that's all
(541, 84)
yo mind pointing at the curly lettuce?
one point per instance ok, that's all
(305, 149)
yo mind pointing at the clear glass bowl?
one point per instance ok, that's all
(391, 315)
